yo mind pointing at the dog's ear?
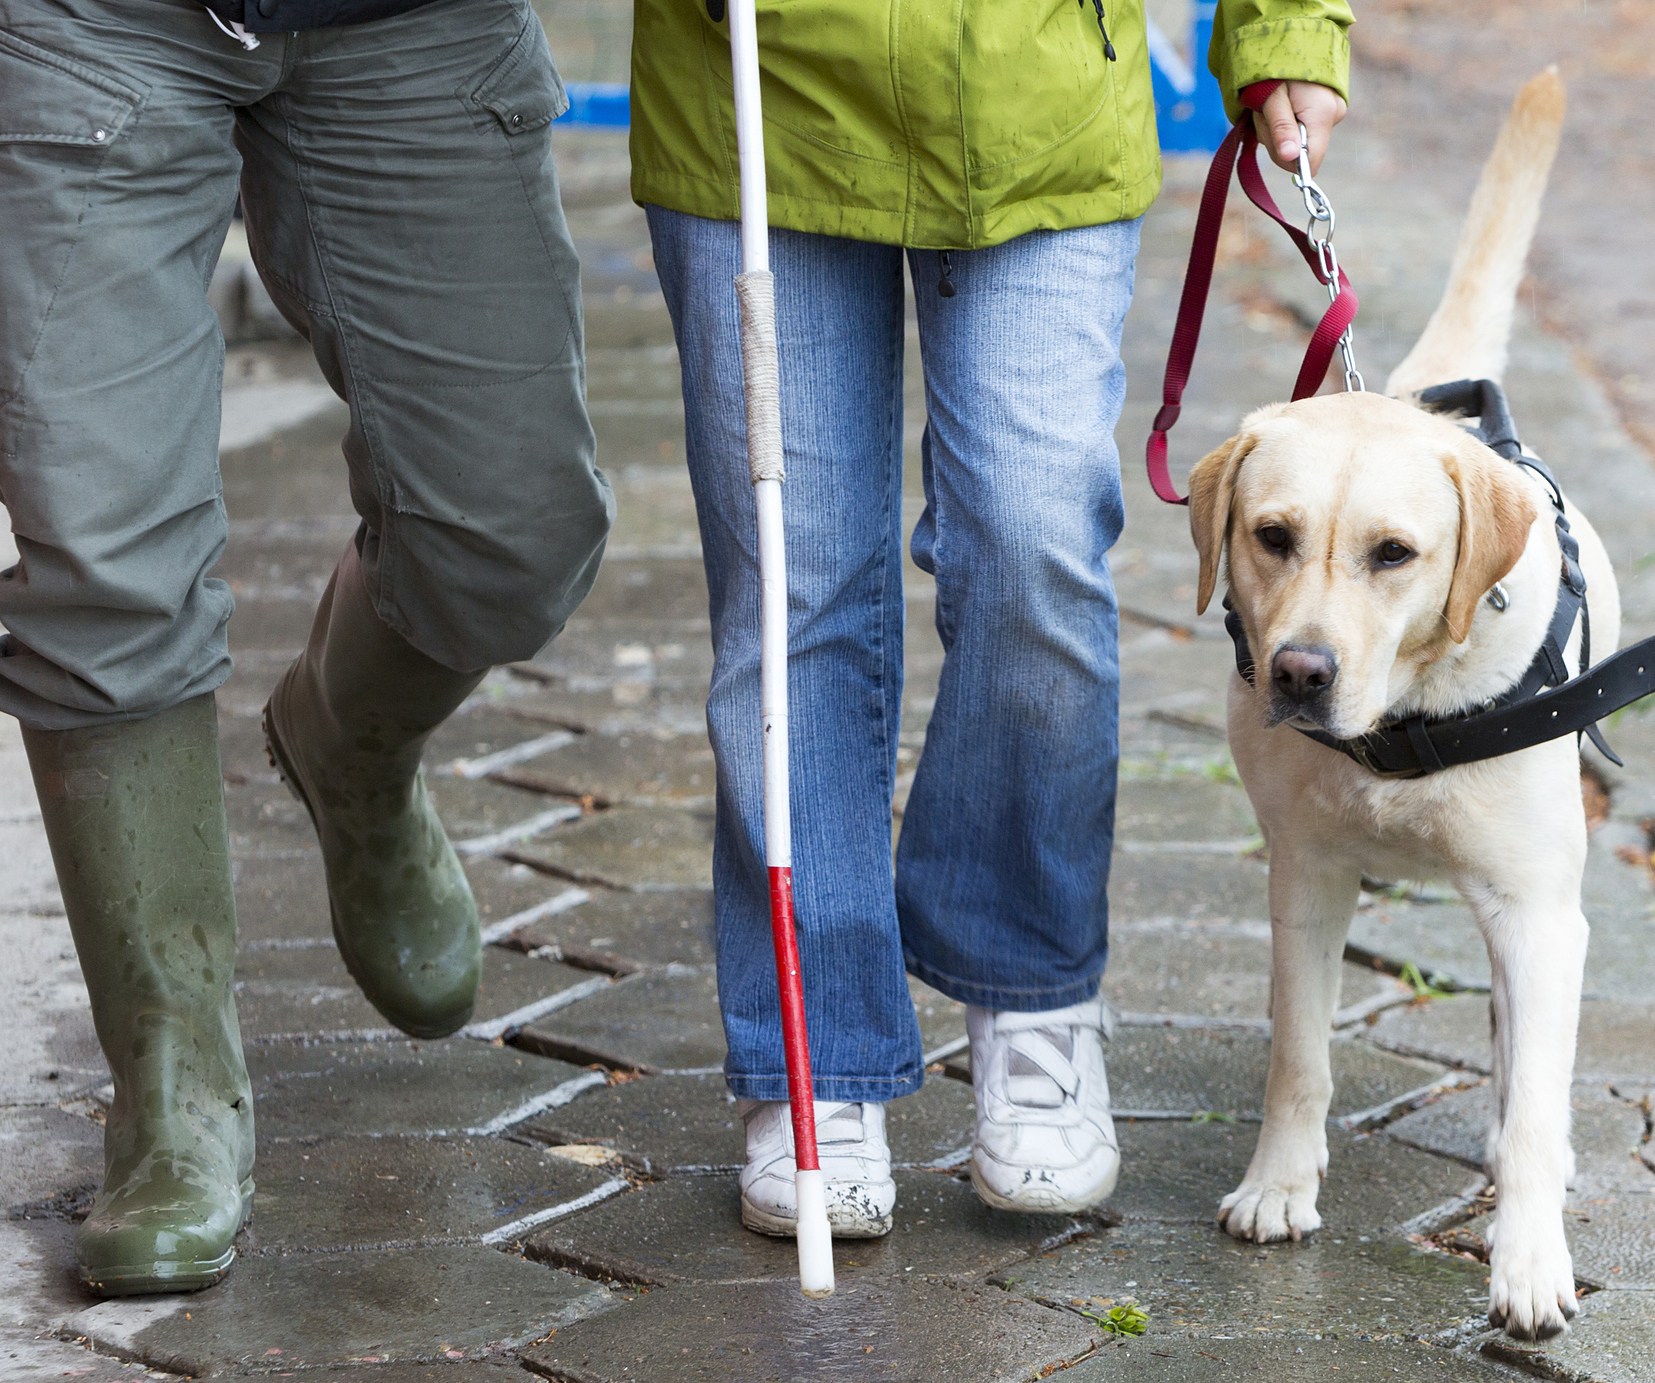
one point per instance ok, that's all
(1212, 490)
(1497, 510)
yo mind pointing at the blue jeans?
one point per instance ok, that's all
(998, 897)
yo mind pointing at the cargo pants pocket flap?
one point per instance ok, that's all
(524, 92)
(48, 98)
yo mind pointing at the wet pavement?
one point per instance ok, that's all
(553, 1192)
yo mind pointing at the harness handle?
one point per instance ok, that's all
(1238, 151)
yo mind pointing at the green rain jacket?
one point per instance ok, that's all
(939, 124)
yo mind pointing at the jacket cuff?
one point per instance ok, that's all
(1304, 50)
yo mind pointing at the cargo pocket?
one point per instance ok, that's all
(57, 118)
(524, 92)
(47, 98)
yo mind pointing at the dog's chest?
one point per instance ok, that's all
(1398, 829)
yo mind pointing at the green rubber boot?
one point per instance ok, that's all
(135, 815)
(345, 728)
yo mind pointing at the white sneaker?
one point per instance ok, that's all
(1045, 1141)
(856, 1167)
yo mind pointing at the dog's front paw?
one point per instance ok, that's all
(1271, 1208)
(1531, 1293)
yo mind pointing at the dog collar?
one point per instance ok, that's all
(1527, 713)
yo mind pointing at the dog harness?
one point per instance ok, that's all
(1528, 714)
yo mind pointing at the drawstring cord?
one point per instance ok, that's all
(1109, 48)
(241, 36)
(945, 265)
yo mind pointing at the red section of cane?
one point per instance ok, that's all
(788, 981)
(1240, 147)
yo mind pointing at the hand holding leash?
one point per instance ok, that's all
(1239, 152)
(1307, 110)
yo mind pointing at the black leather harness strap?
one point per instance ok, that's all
(1545, 704)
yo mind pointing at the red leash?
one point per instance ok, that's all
(1242, 140)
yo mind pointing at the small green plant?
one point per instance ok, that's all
(1123, 1320)
(1423, 987)
(1212, 1116)
(1221, 768)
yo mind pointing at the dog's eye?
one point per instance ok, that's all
(1276, 538)
(1392, 554)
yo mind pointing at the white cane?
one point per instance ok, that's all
(761, 374)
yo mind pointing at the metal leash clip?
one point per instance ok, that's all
(1321, 213)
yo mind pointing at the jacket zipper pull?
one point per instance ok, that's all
(945, 285)
(1108, 47)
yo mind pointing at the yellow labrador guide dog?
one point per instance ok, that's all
(1385, 564)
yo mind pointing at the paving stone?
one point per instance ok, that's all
(1180, 1172)
(470, 808)
(934, 1125)
(1208, 970)
(65, 1152)
(769, 1333)
(670, 1122)
(1456, 1125)
(674, 589)
(1189, 888)
(1611, 1202)
(634, 847)
(657, 1021)
(1182, 809)
(1614, 1041)
(1617, 899)
(1435, 936)
(1612, 1341)
(256, 804)
(648, 928)
(321, 1194)
(283, 992)
(1197, 1281)
(1192, 1070)
(1163, 1359)
(343, 1088)
(689, 1229)
(38, 1285)
(1162, 668)
(281, 895)
(298, 472)
(499, 1368)
(941, 1019)
(683, 1122)
(309, 1311)
(1609, 1239)
(621, 768)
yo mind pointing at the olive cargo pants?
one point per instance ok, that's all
(403, 210)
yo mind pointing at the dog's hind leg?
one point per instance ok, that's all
(1537, 948)
(1312, 898)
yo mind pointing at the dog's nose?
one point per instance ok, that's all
(1302, 674)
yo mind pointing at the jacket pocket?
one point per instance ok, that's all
(1030, 77)
(49, 98)
(524, 92)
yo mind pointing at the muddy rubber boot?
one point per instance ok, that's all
(135, 815)
(345, 728)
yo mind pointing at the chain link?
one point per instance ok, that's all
(1321, 213)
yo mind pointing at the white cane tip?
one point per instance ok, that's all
(815, 1238)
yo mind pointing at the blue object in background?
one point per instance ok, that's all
(1188, 108)
(1189, 111)
(598, 103)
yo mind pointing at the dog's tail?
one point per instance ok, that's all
(1467, 334)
